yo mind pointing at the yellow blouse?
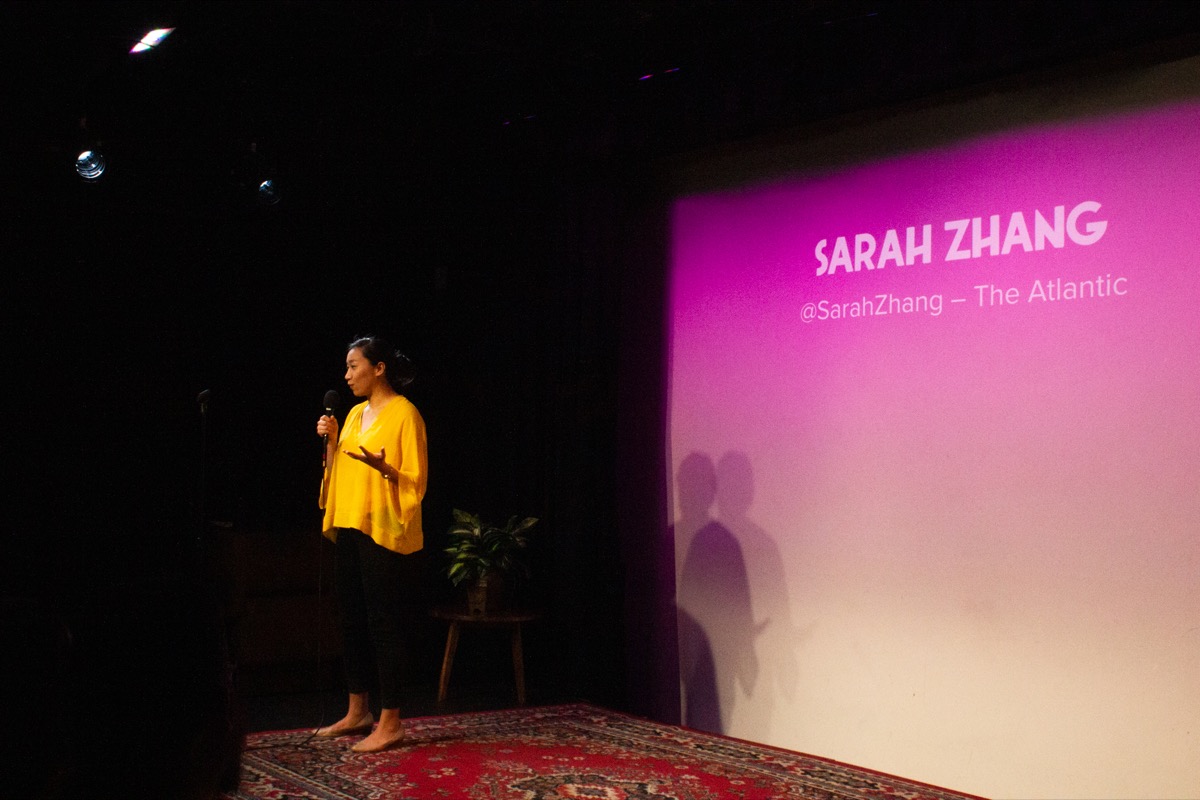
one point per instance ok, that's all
(357, 496)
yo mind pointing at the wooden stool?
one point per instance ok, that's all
(458, 616)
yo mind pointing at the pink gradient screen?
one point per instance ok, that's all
(960, 394)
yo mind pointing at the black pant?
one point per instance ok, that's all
(369, 584)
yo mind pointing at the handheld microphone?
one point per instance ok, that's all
(331, 404)
(203, 399)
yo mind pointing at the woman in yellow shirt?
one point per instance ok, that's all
(372, 489)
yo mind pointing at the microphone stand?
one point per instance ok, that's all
(201, 522)
(204, 566)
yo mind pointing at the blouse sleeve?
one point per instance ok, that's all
(412, 465)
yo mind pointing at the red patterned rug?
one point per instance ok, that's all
(552, 753)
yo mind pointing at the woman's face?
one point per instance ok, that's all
(361, 374)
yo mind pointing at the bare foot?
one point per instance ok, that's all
(382, 738)
(348, 726)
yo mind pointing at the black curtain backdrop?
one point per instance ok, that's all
(124, 306)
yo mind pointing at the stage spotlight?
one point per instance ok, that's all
(151, 40)
(90, 164)
(268, 193)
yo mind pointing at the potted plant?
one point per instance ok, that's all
(482, 554)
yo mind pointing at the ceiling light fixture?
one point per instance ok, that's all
(151, 40)
(90, 164)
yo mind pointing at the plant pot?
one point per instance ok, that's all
(486, 595)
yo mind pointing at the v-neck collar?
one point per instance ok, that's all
(363, 428)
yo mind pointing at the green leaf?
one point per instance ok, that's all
(477, 546)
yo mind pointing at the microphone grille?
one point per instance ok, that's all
(332, 399)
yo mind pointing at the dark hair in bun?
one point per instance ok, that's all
(398, 368)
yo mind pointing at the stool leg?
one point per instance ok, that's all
(448, 661)
(518, 663)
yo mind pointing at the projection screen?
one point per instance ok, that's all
(934, 440)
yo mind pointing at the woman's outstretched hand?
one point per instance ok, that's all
(373, 460)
